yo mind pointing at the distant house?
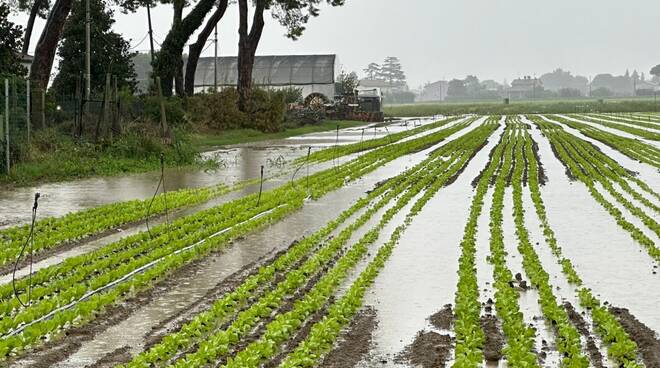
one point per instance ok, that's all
(525, 87)
(436, 91)
(314, 74)
(646, 88)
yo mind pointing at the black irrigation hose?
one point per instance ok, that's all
(30, 239)
(160, 181)
(261, 185)
(295, 172)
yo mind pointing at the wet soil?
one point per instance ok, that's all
(116, 357)
(354, 342)
(581, 325)
(494, 341)
(644, 337)
(443, 318)
(429, 350)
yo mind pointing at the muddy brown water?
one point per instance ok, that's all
(237, 163)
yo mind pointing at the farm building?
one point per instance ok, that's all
(525, 87)
(436, 91)
(314, 74)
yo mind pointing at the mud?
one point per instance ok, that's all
(428, 350)
(494, 341)
(354, 342)
(581, 325)
(443, 318)
(116, 357)
(644, 337)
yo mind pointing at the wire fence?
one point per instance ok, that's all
(25, 110)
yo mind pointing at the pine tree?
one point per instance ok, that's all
(392, 72)
(110, 52)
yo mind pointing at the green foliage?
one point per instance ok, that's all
(110, 52)
(219, 111)
(346, 83)
(10, 44)
(655, 71)
(55, 155)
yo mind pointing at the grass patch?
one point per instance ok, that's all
(54, 156)
(236, 136)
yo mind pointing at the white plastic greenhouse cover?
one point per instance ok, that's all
(273, 70)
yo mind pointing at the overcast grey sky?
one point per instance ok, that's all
(444, 39)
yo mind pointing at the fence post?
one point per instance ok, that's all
(116, 124)
(7, 124)
(27, 111)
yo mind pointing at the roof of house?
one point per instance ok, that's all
(271, 70)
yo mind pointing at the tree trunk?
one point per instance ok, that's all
(30, 25)
(175, 40)
(178, 76)
(44, 54)
(197, 47)
(247, 47)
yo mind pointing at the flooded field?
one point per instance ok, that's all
(497, 241)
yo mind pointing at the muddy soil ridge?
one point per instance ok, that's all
(354, 342)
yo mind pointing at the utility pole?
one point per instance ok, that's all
(151, 33)
(88, 65)
(215, 60)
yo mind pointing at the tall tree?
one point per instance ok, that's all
(392, 72)
(372, 71)
(44, 53)
(247, 47)
(291, 14)
(10, 44)
(35, 8)
(197, 47)
(172, 48)
(110, 53)
(655, 71)
(456, 88)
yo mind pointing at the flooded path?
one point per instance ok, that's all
(237, 163)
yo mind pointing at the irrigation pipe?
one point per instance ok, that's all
(133, 273)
